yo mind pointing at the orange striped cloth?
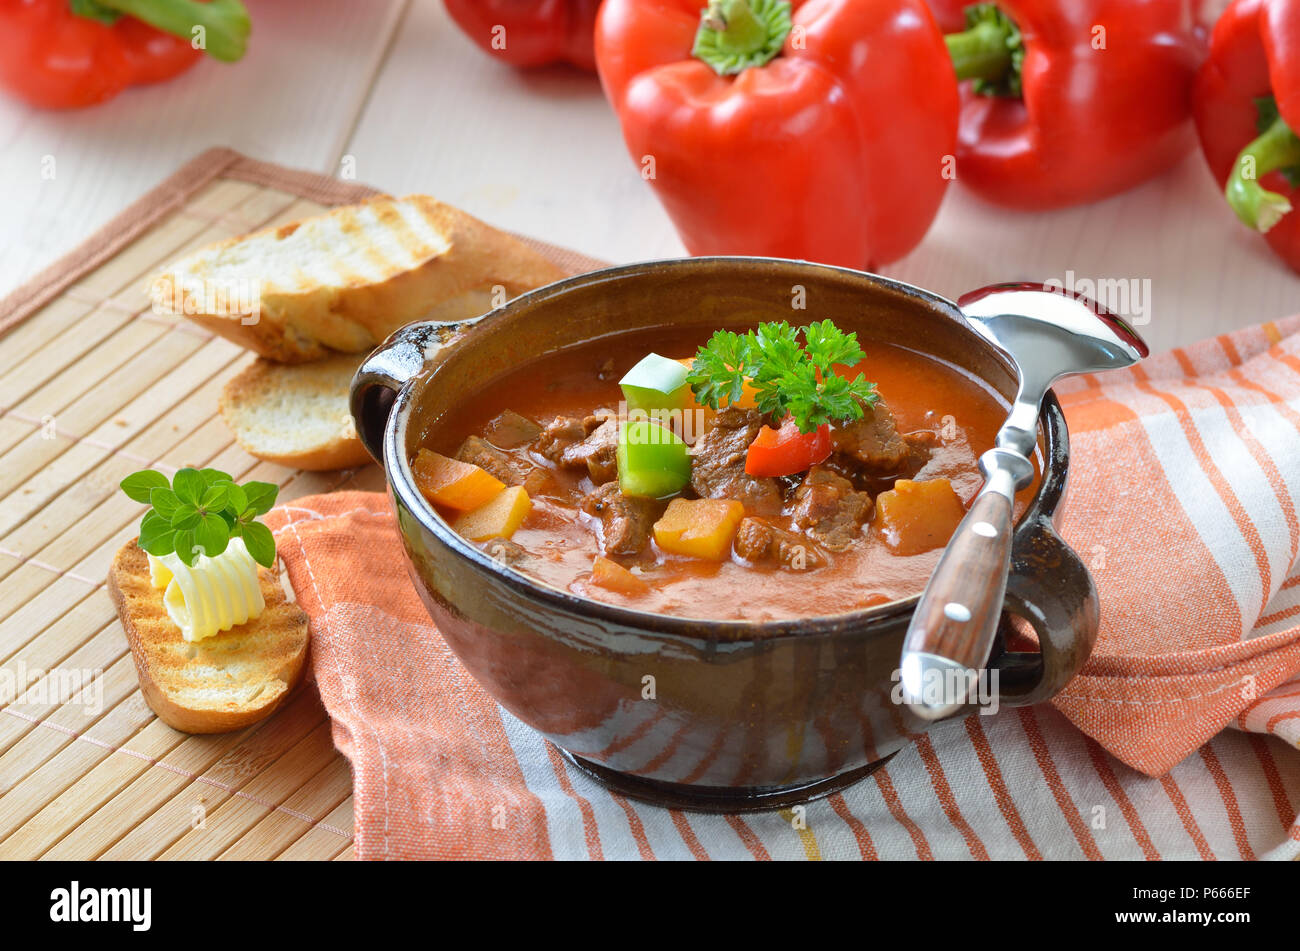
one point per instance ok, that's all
(1184, 481)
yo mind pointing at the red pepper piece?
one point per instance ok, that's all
(55, 58)
(785, 451)
(530, 32)
(1247, 114)
(816, 133)
(1073, 101)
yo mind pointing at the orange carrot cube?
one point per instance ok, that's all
(449, 482)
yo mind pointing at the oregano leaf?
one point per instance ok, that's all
(139, 485)
(188, 486)
(260, 543)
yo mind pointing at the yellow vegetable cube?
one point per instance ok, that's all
(699, 528)
(458, 485)
(499, 518)
(917, 516)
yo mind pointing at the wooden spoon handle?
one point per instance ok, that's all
(952, 629)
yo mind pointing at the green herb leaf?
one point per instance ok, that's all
(139, 485)
(185, 550)
(188, 486)
(215, 476)
(260, 497)
(214, 499)
(212, 534)
(720, 367)
(164, 501)
(156, 535)
(199, 511)
(185, 516)
(827, 345)
(260, 543)
(236, 500)
(787, 378)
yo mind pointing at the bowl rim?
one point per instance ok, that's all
(401, 485)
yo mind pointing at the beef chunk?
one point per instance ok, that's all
(759, 541)
(919, 446)
(560, 434)
(626, 521)
(510, 430)
(828, 507)
(873, 441)
(486, 456)
(539, 482)
(598, 451)
(591, 442)
(718, 463)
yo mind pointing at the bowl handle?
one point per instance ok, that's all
(1050, 587)
(392, 365)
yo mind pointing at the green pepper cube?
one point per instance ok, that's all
(656, 383)
(652, 460)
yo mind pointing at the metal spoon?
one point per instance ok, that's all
(1049, 334)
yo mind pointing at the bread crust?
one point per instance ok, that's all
(313, 387)
(274, 645)
(356, 314)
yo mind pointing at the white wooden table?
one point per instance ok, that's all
(389, 92)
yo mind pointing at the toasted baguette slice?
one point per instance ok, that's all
(221, 683)
(296, 414)
(345, 280)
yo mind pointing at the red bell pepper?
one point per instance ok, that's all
(1072, 101)
(785, 451)
(1247, 114)
(530, 32)
(949, 14)
(811, 130)
(64, 54)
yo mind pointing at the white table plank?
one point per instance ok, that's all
(537, 152)
(1174, 240)
(294, 99)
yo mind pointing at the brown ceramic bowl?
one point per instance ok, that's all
(713, 715)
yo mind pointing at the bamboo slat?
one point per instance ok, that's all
(93, 386)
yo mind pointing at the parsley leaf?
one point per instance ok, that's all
(720, 368)
(786, 377)
(827, 345)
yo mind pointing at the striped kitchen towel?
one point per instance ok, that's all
(1184, 480)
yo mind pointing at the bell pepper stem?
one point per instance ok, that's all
(980, 52)
(735, 35)
(737, 27)
(988, 51)
(1275, 148)
(225, 23)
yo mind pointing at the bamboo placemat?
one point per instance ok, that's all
(92, 387)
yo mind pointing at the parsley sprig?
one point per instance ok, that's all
(787, 377)
(199, 511)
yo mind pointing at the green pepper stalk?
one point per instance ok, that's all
(225, 23)
(1277, 147)
(737, 34)
(989, 51)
